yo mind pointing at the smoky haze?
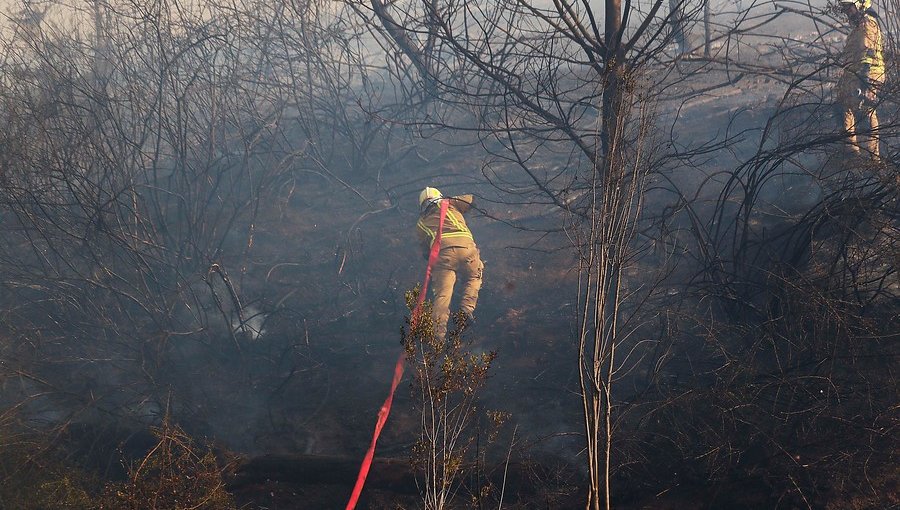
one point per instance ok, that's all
(208, 219)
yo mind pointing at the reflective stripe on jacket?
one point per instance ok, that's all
(456, 232)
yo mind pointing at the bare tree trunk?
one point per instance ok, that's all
(613, 96)
(707, 33)
(613, 74)
(418, 56)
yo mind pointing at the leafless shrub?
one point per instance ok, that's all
(795, 284)
(447, 378)
(140, 157)
(176, 473)
(33, 477)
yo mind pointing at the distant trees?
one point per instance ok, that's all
(135, 156)
(143, 146)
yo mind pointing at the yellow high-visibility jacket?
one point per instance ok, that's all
(862, 60)
(455, 233)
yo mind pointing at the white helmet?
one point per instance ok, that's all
(429, 195)
(859, 4)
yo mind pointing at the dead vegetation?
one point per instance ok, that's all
(176, 473)
(206, 223)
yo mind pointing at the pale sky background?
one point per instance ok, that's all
(77, 13)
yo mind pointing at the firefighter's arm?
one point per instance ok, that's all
(870, 54)
(424, 242)
(463, 203)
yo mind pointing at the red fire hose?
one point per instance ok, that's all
(398, 368)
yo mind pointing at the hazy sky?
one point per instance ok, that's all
(77, 14)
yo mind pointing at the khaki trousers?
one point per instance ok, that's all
(854, 117)
(462, 263)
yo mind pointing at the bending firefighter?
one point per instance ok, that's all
(863, 64)
(458, 260)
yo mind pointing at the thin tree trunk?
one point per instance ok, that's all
(706, 30)
(614, 72)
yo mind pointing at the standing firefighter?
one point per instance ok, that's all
(863, 63)
(458, 259)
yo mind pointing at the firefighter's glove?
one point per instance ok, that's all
(867, 97)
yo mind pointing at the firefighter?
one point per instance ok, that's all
(458, 258)
(863, 64)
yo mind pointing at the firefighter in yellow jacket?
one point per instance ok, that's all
(863, 64)
(458, 260)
